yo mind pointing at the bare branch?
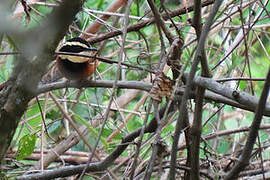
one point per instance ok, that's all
(253, 132)
(31, 65)
(183, 109)
(143, 24)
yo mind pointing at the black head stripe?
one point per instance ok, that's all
(72, 48)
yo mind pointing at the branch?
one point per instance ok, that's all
(195, 136)
(218, 92)
(196, 23)
(100, 166)
(193, 154)
(239, 96)
(31, 65)
(160, 21)
(67, 171)
(143, 24)
(253, 132)
(183, 108)
(93, 28)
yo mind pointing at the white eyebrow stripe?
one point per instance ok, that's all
(75, 44)
(77, 59)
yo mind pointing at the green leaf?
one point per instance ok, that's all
(91, 129)
(26, 146)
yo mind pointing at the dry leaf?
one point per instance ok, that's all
(162, 86)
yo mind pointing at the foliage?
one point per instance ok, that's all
(26, 146)
(87, 107)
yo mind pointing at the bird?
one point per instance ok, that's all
(75, 67)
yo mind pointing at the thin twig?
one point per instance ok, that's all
(142, 24)
(117, 75)
(253, 133)
(183, 107)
